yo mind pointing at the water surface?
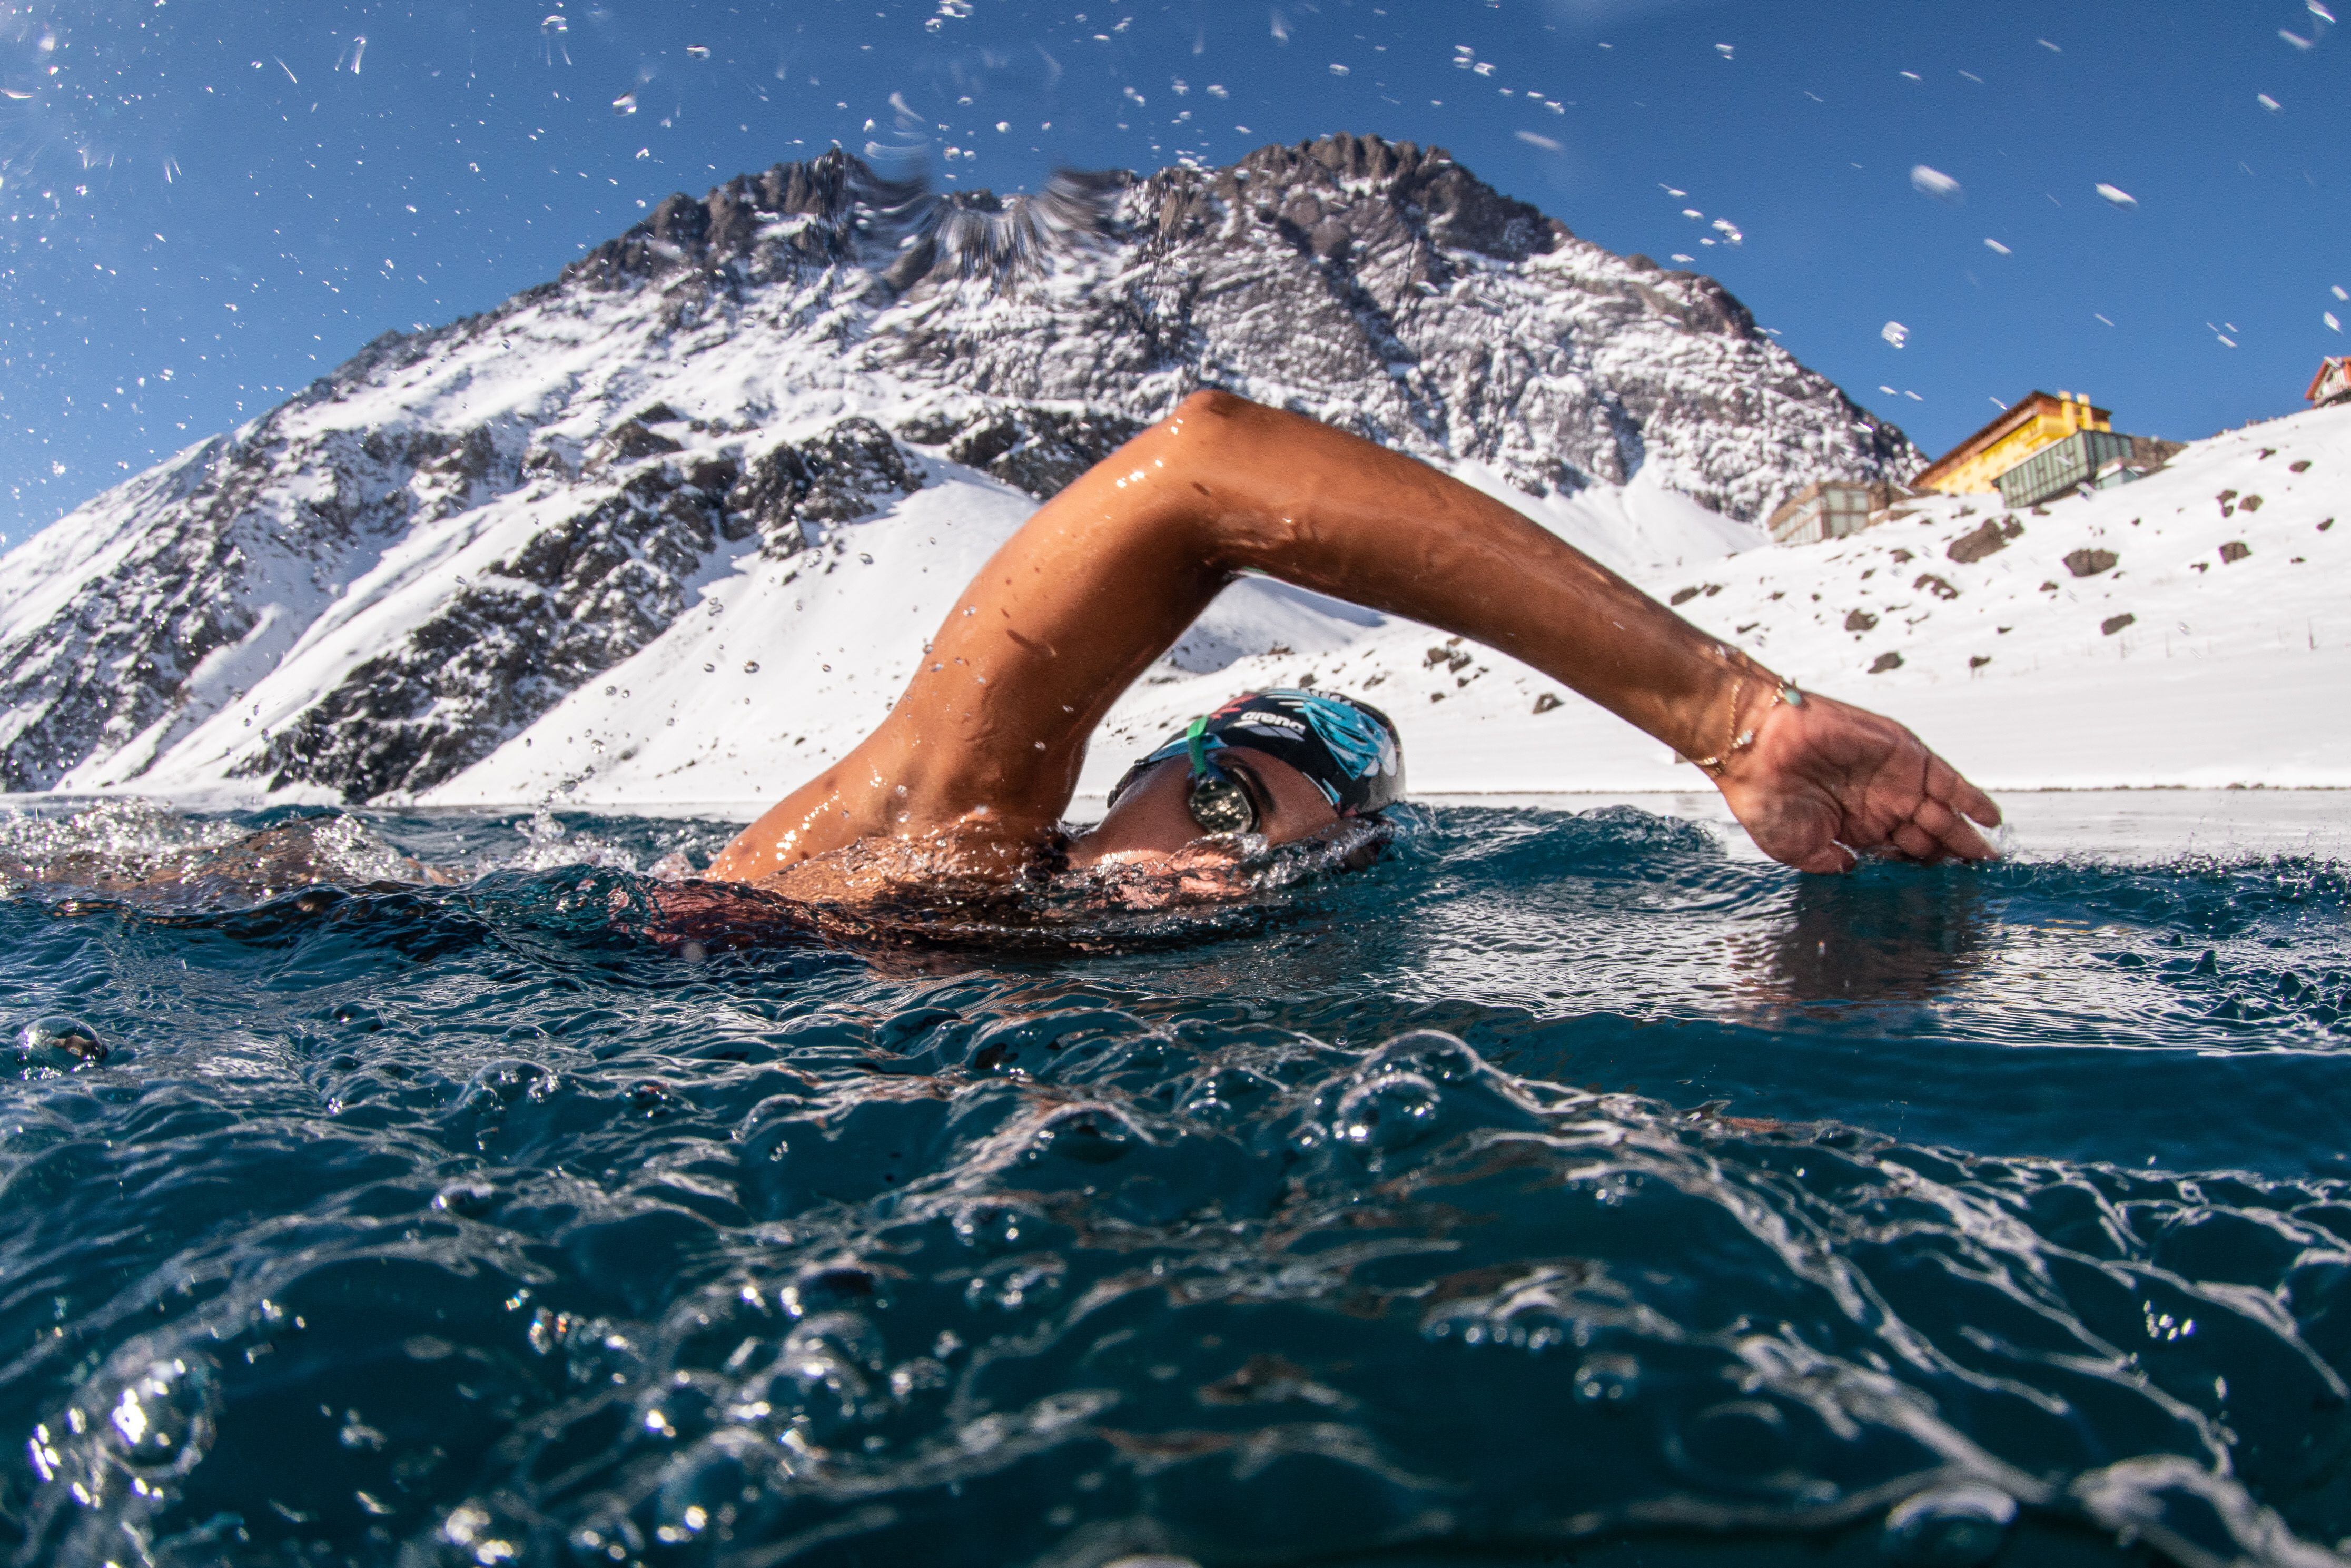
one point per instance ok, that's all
(1561, 1185)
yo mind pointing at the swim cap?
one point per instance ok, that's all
(1349, 749)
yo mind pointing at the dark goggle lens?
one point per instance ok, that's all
(1222, 806)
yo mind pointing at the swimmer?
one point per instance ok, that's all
(975, 764)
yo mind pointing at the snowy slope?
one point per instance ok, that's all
(804, 655)
(400, 573)
(2230, 672)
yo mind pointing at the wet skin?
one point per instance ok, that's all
(980, 758)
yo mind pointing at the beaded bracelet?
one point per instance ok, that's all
(1740, 739)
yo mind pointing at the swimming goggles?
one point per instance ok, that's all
(1220, 801)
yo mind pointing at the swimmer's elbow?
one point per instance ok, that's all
(1209, 419)
(1211, 402)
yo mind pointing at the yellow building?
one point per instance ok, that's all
(2039, 420)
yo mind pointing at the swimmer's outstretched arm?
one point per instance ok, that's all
(986, 743)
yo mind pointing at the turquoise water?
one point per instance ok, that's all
(1559, 1188)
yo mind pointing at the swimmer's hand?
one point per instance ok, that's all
(1825, 783)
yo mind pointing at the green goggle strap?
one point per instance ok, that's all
(1195, 745)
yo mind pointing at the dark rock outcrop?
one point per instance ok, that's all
(577, 600)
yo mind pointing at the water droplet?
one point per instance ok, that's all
(750, 666)
(1997, 248)
(2118, 196)
(625, 104)
(555, 24)
(1896, 333)
(698, 51)
(1934, 182)
(467, 1195)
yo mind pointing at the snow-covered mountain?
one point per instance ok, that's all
(695, 503)
(2193, 629)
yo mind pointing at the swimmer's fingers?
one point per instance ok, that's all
(1948, 835)
(1916, 843)
(1951, 801)
(1946, 786)
(1974, 803)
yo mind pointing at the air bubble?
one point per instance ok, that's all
(1955, 1526)
(1392, 1111)
(1607, 1380)
(59, 1044)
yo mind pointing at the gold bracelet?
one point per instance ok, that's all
(1740, 739)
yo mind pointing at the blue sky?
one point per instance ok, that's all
(206, 203)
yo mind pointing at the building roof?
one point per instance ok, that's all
(2339, 363)
(2023, 410)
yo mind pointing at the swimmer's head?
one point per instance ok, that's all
(1282, 764)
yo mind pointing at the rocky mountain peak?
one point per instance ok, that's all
(379, 584)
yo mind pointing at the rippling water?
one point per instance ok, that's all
(1559, 1186)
